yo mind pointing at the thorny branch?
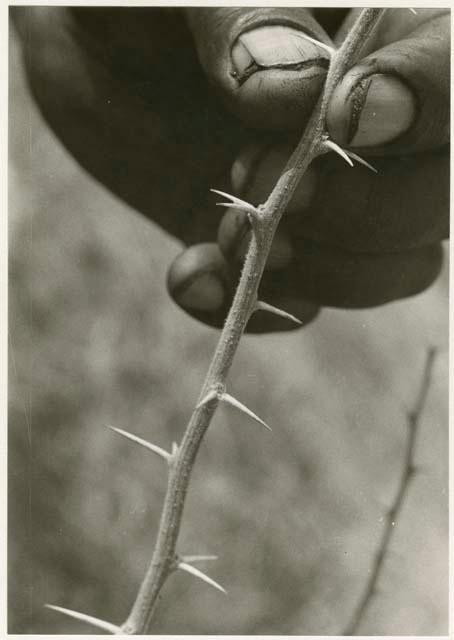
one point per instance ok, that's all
(408, 472)
(264, 220)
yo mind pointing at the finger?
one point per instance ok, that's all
(396, 99)
(259, 60)
(199, 282)
(331, 277)
(318, 276)
(404, 206)
(202, 283)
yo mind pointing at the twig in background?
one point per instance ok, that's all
(413, 421)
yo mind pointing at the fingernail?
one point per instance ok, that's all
(375, 111)
(205, 293)
(271, 46)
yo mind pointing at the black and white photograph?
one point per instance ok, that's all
(228, 319)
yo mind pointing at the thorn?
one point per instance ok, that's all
(264, 306)
(330, 50)
(337, 149)
(358, 158)
(198, 558)
(211, 395)
(240, 207)
(152, 447)
(415, 13)
(195, 572)
(96, 622)
(237, 203)
(225, 397)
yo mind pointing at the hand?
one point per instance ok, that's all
(160, 121)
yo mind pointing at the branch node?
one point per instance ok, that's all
(412, 470)
(83, 617)
(210, 396)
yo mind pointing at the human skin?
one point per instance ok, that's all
(162, 104)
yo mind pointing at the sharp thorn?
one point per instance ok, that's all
(198, 558)
(358, 158)
(264, 306)
(330, 50)
(226, 397)
(211, 395)
(235, 202)
(240, 207)
(152, 447)
(96, 622)
(198, 574)
(337, 149)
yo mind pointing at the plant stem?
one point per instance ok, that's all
(408, 472)
(164, 559)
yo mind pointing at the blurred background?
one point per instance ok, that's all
(295, 515)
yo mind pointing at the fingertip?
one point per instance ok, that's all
(279, 72)
(265, 62)
(399, 92)
(204, 292)
(370, 110)
(198, 282)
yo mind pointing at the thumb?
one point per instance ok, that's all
(398, 95)
(258, 58)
